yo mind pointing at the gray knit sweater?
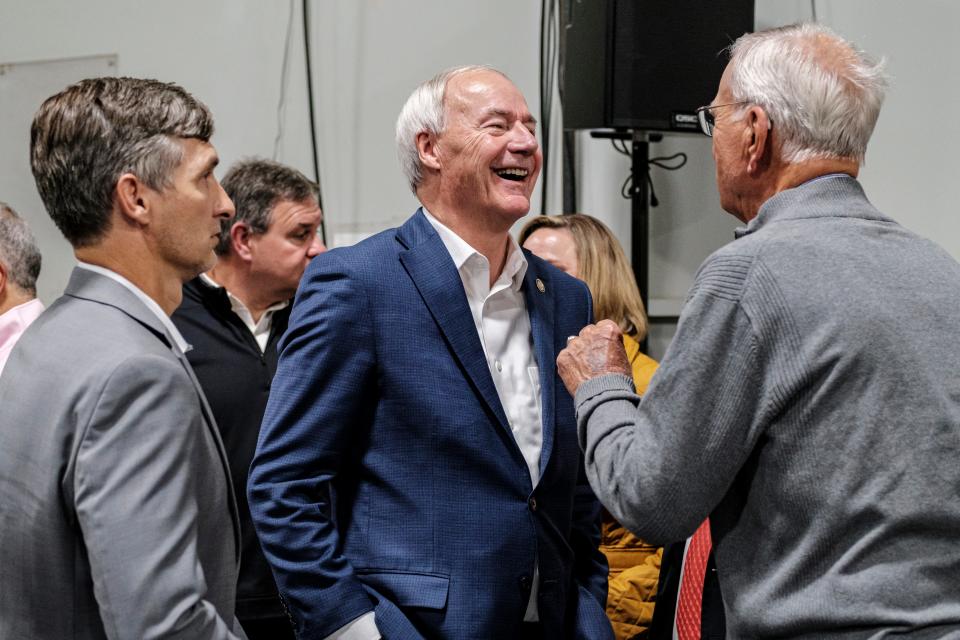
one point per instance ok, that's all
(810, 405)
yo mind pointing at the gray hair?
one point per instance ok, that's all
(823, 101)
(88, 135)
(256, 186)
(424, 112)
(18, 250)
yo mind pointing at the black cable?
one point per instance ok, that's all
(627, 187)
(313, 120)
(544, 103)
(568, 147)
(549, 59)
(813, 9)
(621, 148)
(663, 160)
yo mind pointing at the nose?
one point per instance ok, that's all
(316, 247)
(225, 208)
(522, 140)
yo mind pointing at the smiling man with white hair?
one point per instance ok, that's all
(809, 402)
(417, 387)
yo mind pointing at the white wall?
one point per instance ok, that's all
(368, 55)
(371, 54)
(227, 53)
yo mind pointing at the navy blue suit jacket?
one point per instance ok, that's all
(386, 476)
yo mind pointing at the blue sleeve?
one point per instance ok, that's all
(320, 405)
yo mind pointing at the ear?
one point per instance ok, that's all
(427, 148)
(3, 281)
(760, 144)
(132, 199)
(240, 236)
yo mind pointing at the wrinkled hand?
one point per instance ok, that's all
(596, 352)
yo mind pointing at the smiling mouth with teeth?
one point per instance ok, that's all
(512, 174)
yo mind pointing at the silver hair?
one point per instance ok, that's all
(424, 112)
(823, 101)
(18, 250)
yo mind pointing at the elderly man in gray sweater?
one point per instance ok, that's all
(810, 401)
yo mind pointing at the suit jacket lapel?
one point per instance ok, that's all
(540, 306)
(432, 270)
(92, 286)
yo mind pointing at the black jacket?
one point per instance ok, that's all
(236, 379)
(712, 620)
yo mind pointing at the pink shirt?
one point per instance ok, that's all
(12, 325)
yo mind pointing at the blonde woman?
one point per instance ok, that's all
(586, 249)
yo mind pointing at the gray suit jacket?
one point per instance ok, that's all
(117, 517)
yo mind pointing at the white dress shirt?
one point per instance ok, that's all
(503, 324)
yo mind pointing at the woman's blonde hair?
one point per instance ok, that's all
(604, 267)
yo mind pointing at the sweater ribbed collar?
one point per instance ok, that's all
(835, 195)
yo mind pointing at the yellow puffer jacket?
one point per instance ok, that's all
(634, 564)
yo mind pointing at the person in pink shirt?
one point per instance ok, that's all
(19, 268)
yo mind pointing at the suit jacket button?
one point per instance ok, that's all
(525, 583)
(533, 504)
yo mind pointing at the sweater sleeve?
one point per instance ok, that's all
(660, 465)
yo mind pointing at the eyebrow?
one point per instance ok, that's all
(210, 164)
(506, 114)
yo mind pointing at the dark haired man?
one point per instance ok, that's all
(233, 316)
(117, 518)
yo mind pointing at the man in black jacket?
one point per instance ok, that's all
(233, 316)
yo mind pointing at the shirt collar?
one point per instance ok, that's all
(514, 267)
(149, 302)
(239, 308)
(16, 319)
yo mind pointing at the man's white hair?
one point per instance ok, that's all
(424, 112)
(824, 101)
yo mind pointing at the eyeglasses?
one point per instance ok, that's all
(705, 115)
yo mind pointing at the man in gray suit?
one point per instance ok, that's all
(117, 517)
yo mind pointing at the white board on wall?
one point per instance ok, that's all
(23, 87)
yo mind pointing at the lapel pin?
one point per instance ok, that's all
(540, 285)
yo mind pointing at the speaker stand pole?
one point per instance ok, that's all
(639, 207)
(640, 212)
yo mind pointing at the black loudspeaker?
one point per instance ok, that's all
(645, 64)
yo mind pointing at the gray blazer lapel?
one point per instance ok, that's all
(88, 285)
